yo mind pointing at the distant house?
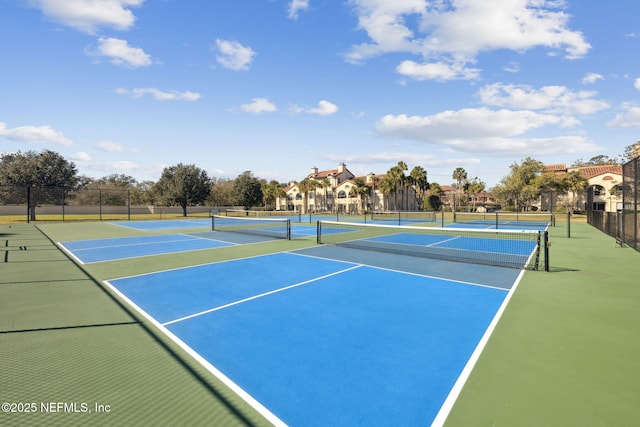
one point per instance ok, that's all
(604, 192)
(335, 190)
(481, 202)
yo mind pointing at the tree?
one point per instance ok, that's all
(111, 190)
(325, 184)
(307, 186)
(598, 160)
(247, 190)
(271, 192)
(386, 187)
(184, 185)
(550, 184)
(433, 202)
(46, 169)
(522, 186)
(574, 181)
(396, 180)
(460, 175)
(632, 151)
(359, 190)
(475, 187)
(418, 178)
(221, 192)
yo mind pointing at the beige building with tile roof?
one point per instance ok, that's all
(337, 190)
(604, 192)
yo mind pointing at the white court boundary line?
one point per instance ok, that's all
(455, 391)
(262, 410)
(446, 407)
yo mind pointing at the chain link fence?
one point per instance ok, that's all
(630, 203)
(60, 204)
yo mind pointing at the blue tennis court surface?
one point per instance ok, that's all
(318, 342)
(164, 224)
(99, 250)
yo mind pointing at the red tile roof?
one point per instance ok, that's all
(593, 171)
(559, 167)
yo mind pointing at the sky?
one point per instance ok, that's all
(277, 87)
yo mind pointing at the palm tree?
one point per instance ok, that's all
(374, 181)
(325, 184)
(386, 187)
(359, 190)
(306, 186)
(460, 175)
(396, 177)
(418, 178)
(475, 187)
(403, 181)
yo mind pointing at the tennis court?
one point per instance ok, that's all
(314, 341)
(349, 337)
(325, 335)
(361, 331)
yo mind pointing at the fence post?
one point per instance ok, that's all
(28, 204)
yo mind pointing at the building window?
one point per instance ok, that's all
(342, 194)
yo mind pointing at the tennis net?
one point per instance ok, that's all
(243, 213)
(522, 249)
(279, 228)
(506, 219)
(400, 217)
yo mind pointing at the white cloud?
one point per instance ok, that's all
(551, 99)
(34, 134)
(437, 71)
(483, 130)
(159, 95)
(636, 83)
(234, 55)
(120, 53)
(109, 147)
(259, 105)
(81, 157)
(324, 108)
(296, 6)
(455, 32)
(629, 118)
(591, 78)
(512, 67)
(89, 15)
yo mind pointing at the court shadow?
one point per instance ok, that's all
(562, 269)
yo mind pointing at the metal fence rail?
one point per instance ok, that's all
(35, 203)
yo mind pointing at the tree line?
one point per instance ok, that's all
(188, 185)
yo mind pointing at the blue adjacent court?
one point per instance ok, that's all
(99, 250)
(164, 224)
(315, 341)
